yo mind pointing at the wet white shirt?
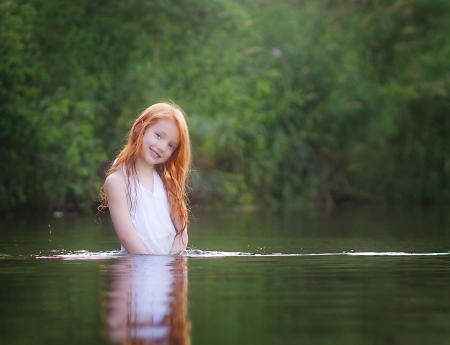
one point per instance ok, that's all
(151, 216)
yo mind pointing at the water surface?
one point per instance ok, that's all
(365, 275)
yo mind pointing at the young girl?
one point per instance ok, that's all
(145, 189)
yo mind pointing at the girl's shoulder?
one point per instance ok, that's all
(116, 179)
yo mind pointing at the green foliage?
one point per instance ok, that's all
(289, 100)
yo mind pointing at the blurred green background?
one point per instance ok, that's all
(287, 101)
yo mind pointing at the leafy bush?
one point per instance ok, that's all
(292, 100)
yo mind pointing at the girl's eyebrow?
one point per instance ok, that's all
(161, 131)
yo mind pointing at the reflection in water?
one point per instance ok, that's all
(146, 303)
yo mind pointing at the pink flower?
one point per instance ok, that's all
(276, 52)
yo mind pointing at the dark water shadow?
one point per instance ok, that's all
(146, 302)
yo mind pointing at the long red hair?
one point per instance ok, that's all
(173, 172)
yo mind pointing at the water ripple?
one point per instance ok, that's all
(197, 253)
(206, 254)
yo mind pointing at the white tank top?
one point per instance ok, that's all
(151, 216)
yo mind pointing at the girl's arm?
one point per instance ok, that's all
(115, 189)
(179, 243)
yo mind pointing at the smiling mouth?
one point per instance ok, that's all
(155, 153)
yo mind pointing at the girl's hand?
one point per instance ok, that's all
(115, 189)
(179, 243)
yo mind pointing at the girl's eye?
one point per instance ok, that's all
(158, 135)
(172, 147)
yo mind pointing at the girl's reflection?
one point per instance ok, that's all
(147, 300)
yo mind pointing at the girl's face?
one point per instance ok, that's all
(159, 142)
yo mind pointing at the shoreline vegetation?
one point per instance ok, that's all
(292, 102)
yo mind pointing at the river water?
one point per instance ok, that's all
(364, 275)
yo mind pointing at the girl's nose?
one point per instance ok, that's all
(161, 147)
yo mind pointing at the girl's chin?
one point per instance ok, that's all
(148, 161)
(152, 161)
